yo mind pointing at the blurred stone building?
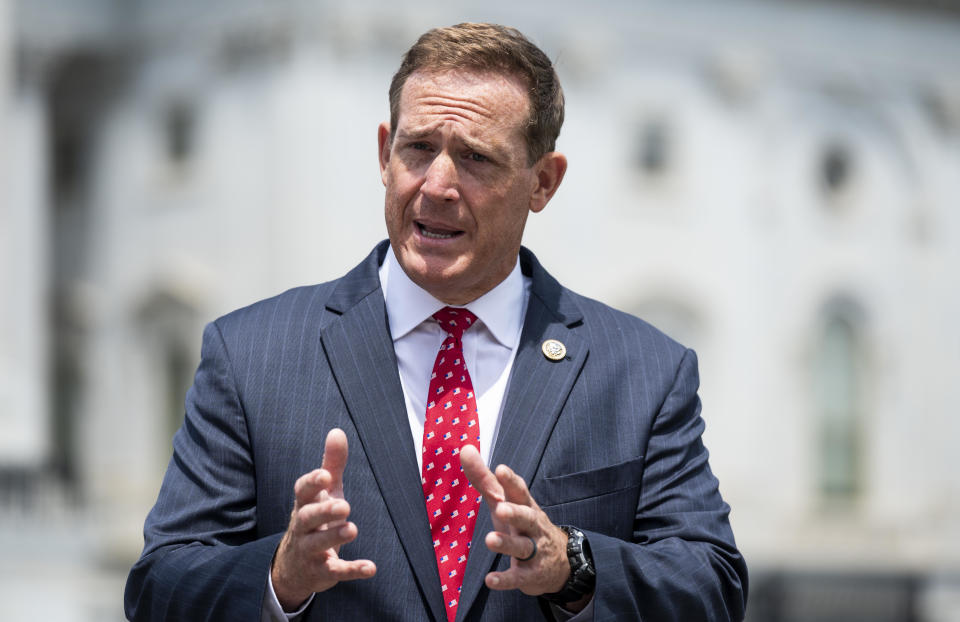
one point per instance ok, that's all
(773, 183)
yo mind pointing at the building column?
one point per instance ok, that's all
(24, 408)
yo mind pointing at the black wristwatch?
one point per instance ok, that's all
(583, 577)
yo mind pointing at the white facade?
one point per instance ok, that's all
(773, 184)
(23, 339)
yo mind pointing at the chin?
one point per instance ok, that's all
(430, 266)
(436, 281)
(441, 284)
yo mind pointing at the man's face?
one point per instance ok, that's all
(458, 182)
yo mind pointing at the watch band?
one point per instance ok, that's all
(583, 576)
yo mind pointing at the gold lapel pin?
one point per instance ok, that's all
(553, 349)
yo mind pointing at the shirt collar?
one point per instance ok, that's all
(501, 309)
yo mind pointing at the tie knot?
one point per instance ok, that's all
(454, 321)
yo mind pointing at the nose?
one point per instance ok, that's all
(440, 182)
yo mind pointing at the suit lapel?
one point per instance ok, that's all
(538, 389)
(360, 352)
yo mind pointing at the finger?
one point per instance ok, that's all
(482, 479)
(504, 580)
(522, 519)
(348, 570)
(514, 488)
(328, 513)
(335, 458)
(518, 547)
(317, 543)
(309, 485)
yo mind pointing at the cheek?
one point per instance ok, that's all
(392, 208)
(394, 213)
(402, 186)
(501, 229)
(397, 194)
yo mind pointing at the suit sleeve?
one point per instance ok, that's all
(201, 558)
(682, 564)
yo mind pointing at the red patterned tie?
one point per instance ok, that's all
(451, 423)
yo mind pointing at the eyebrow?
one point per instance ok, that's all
(418, 133)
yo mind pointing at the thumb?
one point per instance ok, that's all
(481, 478)
(335, 459)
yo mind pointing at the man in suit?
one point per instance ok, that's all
(602, 505)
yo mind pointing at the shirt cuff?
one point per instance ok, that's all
(271, 611)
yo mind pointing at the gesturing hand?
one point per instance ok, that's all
(308, 558)
(518, 519)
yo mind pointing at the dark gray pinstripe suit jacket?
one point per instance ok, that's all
(608, 438)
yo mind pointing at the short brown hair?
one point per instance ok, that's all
(490, 47)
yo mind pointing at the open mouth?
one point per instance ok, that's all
(437, 233)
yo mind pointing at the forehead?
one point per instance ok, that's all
(478, 100)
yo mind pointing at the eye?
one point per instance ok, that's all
(420, 146)
(478, 157)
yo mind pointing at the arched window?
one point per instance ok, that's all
(170, 327)
(838, 394)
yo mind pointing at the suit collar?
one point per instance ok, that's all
(364, 279)
(555, 298)
(359, 282)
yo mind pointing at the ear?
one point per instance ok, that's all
(383, 152)
(549, 171)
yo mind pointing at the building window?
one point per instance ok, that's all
(838, 394)
(178, 366)
(653, 147)
(81, 87)
(170, 324)
(179, 132)
(836, 169)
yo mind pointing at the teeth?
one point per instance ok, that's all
(435, 236)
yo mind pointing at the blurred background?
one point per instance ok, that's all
(773, 183)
